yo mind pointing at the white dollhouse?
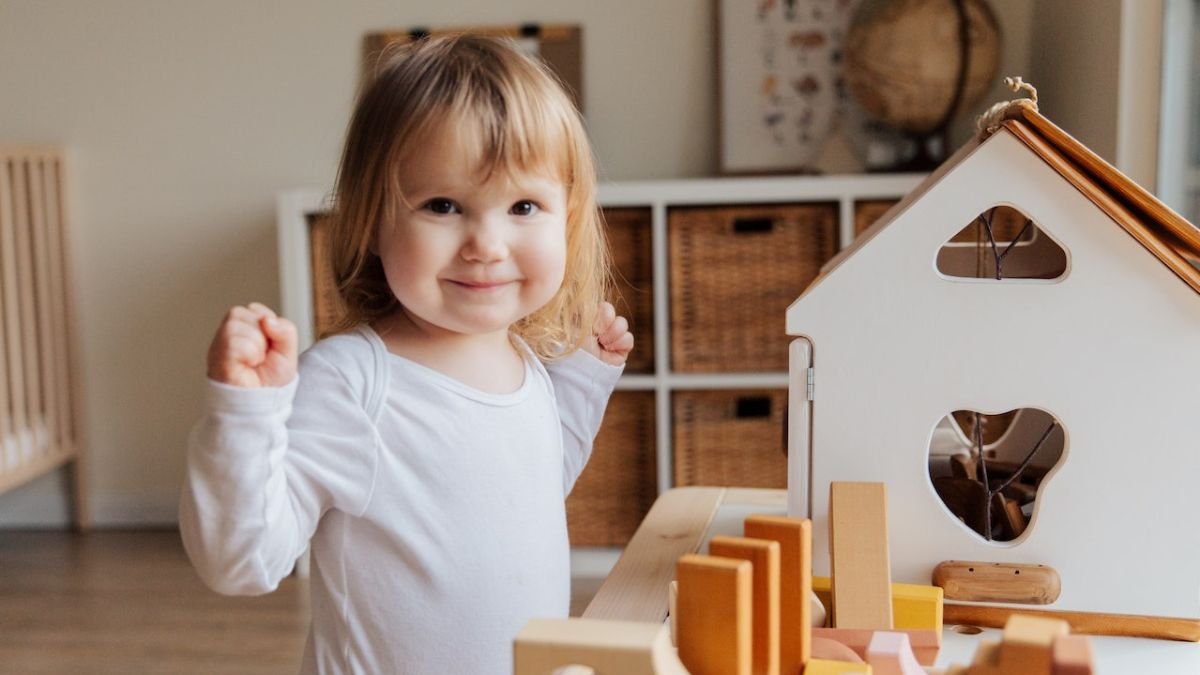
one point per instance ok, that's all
(892, 340)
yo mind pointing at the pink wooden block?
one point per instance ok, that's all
(891, 654)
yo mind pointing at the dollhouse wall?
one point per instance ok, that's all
(1108, 349)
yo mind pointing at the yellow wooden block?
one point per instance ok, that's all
(823, 667)
(713, 622)
(914, 606)
(763, 555)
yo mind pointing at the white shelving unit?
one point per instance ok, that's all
(659, 197)
(294, 207)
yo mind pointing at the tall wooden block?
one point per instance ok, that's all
(763, 555)
(858, 551)
(713, 623)
(795, 584)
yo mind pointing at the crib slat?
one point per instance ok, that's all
(58, 325)
(6, 421)
(11, 318)
(24, 255)
(42, 305)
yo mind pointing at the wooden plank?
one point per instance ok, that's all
(763, 556)
(858, 552)
(714, 623)
(10, 288)
(43, 305)
(25, 292)
(1082, 623)
(794, 536)
(7, 461)
(636, 589)
(1015, 583)
(58, 328)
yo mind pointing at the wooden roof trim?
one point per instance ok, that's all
(1145, 227)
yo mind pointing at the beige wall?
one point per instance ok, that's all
(184, 118)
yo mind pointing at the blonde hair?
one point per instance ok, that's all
(522, 120)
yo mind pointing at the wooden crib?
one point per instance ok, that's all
(39, 383)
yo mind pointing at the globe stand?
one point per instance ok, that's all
(931, 152)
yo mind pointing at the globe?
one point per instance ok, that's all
(903, 60)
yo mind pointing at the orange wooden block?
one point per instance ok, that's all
(1027, 645)
(832, 650)
(795, 584)
(925, 643)
(1071, 655)
(713, 622)
(763, 555)
(858, 552)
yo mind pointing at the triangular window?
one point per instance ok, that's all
(1002, 243)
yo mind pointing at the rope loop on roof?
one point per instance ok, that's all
(987, 123)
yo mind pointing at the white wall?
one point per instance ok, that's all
(184, 118)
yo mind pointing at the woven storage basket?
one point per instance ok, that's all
(327, 304)
(619, 484)
(629, 240)
(734, 271)
(866, 212)
(730, 438)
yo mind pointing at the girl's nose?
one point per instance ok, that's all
(485, 243)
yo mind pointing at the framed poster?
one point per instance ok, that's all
(560, 46)
(779, 81)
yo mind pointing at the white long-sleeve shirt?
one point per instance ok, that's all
(435, 511)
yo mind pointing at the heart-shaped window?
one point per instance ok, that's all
(988, 469)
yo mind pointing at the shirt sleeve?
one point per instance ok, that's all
(263, 466)
(582, 386)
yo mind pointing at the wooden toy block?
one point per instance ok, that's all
(858, 553)
(925, 643)
(1071, 655)
(832, 650)
(824, 667)
(763, 555)
(597, 646)
(795, 584)
(891, 654)
(1014, 583)
(714, 615)
(914, 606)
(1027, 644)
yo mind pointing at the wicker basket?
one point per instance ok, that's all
(730, 438)
(866, 212)
(629, 238)
(734, 271)
(327, 304)
(620, 483)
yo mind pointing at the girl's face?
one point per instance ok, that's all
(471, 257)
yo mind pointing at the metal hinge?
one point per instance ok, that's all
(811, 385)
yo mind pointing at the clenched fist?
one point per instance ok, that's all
(253, 348)
(611, 340)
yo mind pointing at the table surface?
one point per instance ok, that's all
(682, 521)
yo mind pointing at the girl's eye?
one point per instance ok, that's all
(441, 206)
(524, 208)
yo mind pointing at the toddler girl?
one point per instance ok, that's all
(424, 450)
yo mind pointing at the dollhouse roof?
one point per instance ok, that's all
(1160, 230)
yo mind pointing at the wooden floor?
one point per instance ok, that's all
(129, 602)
